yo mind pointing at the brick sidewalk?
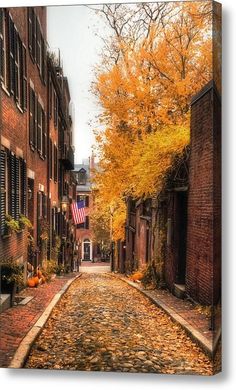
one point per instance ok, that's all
(190, 314)
(16, 322)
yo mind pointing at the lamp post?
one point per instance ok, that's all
(64, 205)
(111, 237)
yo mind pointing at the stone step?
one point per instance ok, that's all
(5, 302)
(179, 291)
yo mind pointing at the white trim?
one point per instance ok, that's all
(5, 142)
(19, 152)
(30, 174)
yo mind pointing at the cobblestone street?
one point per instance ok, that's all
(103, 324)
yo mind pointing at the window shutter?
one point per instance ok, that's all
(31, 114)
(38, 43)
(44, 205)
(38, 216)
(2, 49)
(16, 63)
(86, 222)
(3, 200)
(44, 61)
(87, 201)
(12, 186)
(35, 121)
(34, 22)
(44, 135)
(39, 127)
(24, 73)
(30, 28)
(17, 188)
(21, 77)
(23, 186)
(11, 34)
(50, 158)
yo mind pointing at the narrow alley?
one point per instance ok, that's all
(96, 328)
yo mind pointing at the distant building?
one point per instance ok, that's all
(87, 249)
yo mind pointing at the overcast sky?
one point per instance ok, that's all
(72, 29)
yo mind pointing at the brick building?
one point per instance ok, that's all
(88, 250)
(31, 144)
(164, 232)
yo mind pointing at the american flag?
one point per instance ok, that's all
(78, 212)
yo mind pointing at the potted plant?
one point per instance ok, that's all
(11, 224)
(12, 276)
(24, 222)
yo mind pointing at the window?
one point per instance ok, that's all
(87, 222)
(37, 125)
(13, 72)
(82, 176)
(13, 186)
(37, 45)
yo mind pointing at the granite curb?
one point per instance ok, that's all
(24, 348)
(207, 346)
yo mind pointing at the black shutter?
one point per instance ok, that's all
(44, 61)
(86, 222)
(39, 127)
(87, 201)
(38, 216)
(31, 117)
(50, 158)
(2, 49)
(3, 200)
(38, 38)
(30, 29)
(24, 81)
(17, 188)
(21, 67)
(16, 63)
(34, 22)
(44, 135)
(12, 186)
(44, 205)
(11, 36)
(35, 120)
(23, 186)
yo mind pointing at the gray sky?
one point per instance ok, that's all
(72, 29)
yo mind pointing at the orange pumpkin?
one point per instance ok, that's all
(31, 282)
(36, 280)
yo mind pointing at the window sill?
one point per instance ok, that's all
(7, 235)
(19, 108)
(4, 88)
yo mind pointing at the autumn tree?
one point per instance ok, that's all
(145, 90)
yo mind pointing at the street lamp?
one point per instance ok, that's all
(64, 204)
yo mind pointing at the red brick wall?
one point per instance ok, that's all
(34, 161)
(203, 237)
(14, 130)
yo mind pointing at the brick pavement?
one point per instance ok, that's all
(195, 315)
(16, 322)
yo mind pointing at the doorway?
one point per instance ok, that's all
(87, 250)
(181, 236)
